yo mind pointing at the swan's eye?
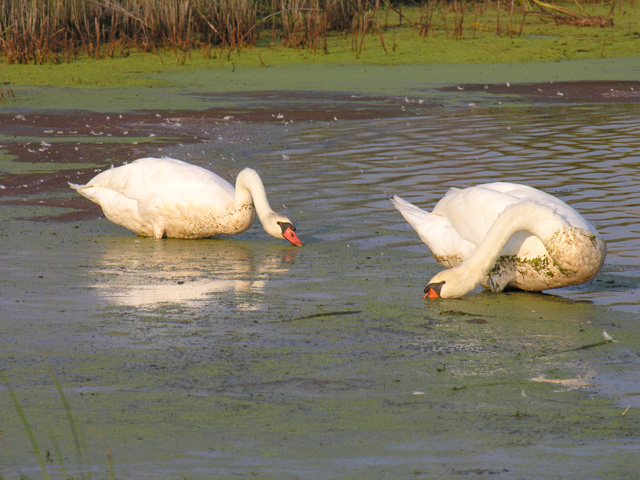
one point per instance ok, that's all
(285, 225)
(433, 290)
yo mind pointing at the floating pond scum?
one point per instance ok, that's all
(243, 356)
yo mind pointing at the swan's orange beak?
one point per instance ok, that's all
(431, 293)
(290, 235)
(433, 290)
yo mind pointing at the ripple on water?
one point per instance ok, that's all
(587, 156)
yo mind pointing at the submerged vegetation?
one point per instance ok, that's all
(46, 457)
(59, 31)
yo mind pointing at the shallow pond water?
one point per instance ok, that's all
(248, 357)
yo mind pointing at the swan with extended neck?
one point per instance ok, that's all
(165, 197)
(505, 235)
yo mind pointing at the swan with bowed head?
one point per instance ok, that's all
(164, 197)
(502, 235)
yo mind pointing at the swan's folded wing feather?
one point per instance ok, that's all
(164, 185)
(527, 193)
(472, 211)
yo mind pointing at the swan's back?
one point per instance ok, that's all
(166, 181)
(473, 210)
(524, 192)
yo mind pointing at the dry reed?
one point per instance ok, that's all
(39, 31)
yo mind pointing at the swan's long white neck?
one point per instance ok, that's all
(531, 217)
(250, 189)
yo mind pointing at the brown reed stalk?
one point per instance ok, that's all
(357, 26)
(511, 29)
(39, 31)
(426, 17)
(524, 16)
(474, 25)
(381, 37)
(443, 10)
(458, 18)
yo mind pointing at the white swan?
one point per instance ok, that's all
(505, 234)
(164, 197)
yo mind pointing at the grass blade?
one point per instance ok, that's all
(72, 423)
(27, 427)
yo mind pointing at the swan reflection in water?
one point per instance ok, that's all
(142, 272)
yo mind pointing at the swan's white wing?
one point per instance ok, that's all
(163, 185)
(434, 230)
(472, 211)
(524, 192)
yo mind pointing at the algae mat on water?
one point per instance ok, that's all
(202, 89)
(247, 357)
(346, 375)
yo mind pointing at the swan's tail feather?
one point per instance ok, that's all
(436, 232)
(85, 190)
(409, 211)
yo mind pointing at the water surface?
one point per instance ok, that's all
(246, 356)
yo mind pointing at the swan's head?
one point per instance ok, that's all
(452, 283)
(280, 226)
